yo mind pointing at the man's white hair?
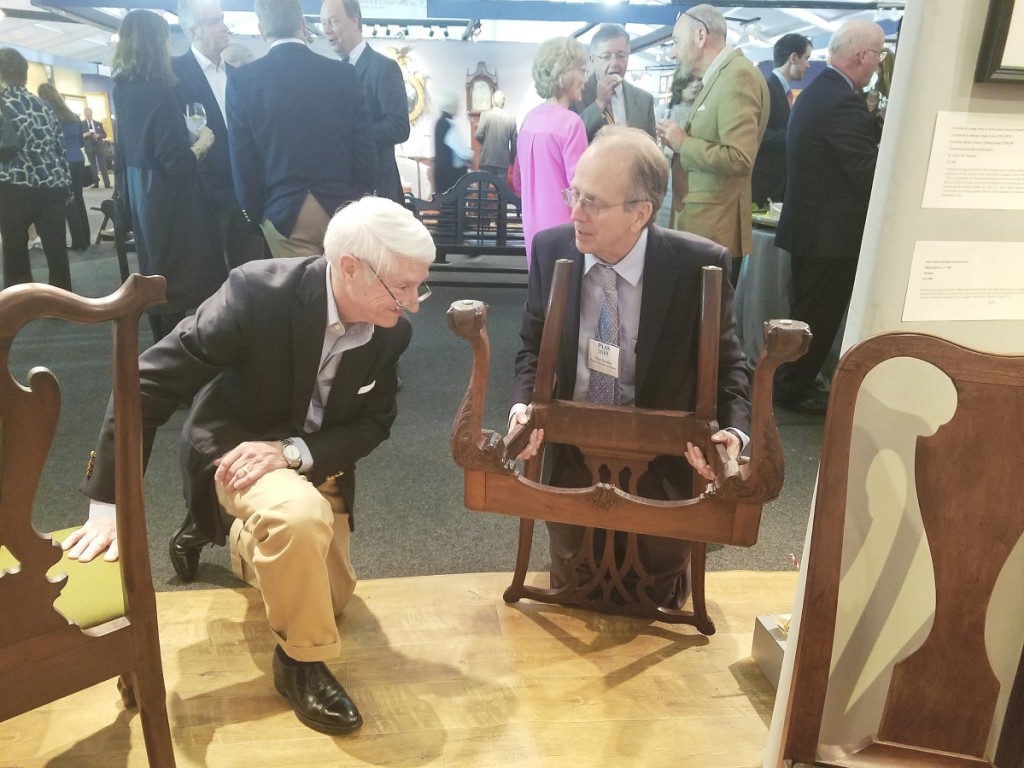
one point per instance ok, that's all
(378, 231)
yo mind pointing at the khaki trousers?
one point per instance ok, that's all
(306, 237)
(290, 540)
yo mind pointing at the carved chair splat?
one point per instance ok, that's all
(932, 716)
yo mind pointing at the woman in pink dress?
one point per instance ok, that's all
(552, 136)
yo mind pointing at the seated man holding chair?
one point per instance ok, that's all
(631, 335)
(290, 370)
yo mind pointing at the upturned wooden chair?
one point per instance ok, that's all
(941, 698)
(613, 438)
(55, 641)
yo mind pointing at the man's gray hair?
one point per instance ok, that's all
(378, 231)
(352, 10)
(851, 38)
(608, 32)
(648, 176)
(190, 13)
(555, 60)
(711, 16)
(279, 18)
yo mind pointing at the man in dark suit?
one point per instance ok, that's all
(607, 97)
(288, 372)
(792, 56)
(300, 135)
(383, 84)
(93, 135)
(656, 273)
(830, 164)
(203, 78)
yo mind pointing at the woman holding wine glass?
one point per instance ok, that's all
(155, 157)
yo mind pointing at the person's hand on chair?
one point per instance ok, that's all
(519, 415)
(699, 462)
(97, 537)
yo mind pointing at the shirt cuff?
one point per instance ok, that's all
(101, 510)
(516, 409)
(744, 440)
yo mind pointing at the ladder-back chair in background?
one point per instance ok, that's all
(614, 438)
(941, 699)
(50, 650)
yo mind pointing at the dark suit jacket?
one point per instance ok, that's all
(298, 123)
(249, 357)
(88, 142)
(830, 163)
(769, 177)
(215, 167)
(639, 108)
(384, 87)
(667, 340)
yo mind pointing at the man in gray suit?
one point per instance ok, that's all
(383, 85)
(607, 97)
(497, 136)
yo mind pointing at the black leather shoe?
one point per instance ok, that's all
(185, 548)
(316, 696)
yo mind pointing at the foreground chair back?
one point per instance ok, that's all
(613, 439)
(941, 699)
(50, 650)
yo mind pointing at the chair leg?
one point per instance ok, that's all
(516, 589)
(127, 691)
(698, 562)
(156, 728)
(99, 233)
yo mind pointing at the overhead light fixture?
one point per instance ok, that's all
(431, 32)
(374, 33)
(446, 31)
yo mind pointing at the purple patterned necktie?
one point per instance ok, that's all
(604, 388)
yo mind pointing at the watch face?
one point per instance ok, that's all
(292, 454)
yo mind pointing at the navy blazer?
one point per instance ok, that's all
(247, 363)
(215, 167)
(769, 177)
(298, 123)
(832, 146)
(667, 339)
(384, 87)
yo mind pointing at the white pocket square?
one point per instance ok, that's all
(367, 388)
(702, 107)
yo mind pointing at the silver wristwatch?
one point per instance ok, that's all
(292, 453)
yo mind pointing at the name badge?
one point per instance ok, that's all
(603, 358)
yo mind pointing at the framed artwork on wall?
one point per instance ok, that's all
(1001, 58)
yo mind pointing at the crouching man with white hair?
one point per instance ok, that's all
(289, 375)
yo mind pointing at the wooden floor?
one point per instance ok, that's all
(445, 674)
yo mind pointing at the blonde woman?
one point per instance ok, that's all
(552, 136)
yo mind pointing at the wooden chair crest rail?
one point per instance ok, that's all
(613, 438)
(45, 655)
(941, 698)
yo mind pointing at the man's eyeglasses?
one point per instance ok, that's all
(589, 205)
(699, 21)
(609, 56)
(880, 54)
(400, 304)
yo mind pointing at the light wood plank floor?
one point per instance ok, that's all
(445, 674)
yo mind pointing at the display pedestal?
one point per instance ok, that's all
(769, 645)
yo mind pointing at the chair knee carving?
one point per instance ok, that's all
(48, 651)
(613, 439)
(941, 699)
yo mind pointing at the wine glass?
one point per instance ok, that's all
(195, 117)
